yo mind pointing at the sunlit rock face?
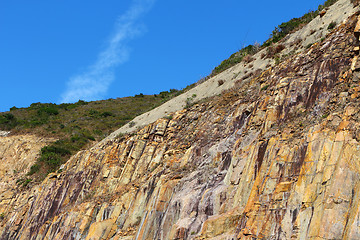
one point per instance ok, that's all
(277, 157)
(17, 155)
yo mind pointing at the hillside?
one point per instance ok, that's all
(290, 45)
(75, 126)
(268, 151)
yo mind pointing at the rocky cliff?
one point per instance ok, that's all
(275, 157)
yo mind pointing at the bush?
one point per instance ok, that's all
(332, 25)
(355, 2)
(8, 121)
(50, 110)
(23, 181)
(106, 114)
(139, 95)
(190, 101)
(236, 58)
(272, 51)
(81, 102)
(34, 169)
(51, 159)
(55, 149)
(264, 88)
(172, 90)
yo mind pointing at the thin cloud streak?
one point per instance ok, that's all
(94, 83)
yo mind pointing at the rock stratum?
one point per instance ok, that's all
(277, 156)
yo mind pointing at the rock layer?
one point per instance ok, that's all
(276, 157)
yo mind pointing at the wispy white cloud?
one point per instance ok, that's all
(94, 83)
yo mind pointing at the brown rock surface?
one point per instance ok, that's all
(254, 163)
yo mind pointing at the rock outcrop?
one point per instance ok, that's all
(275, 157)
(17, 155)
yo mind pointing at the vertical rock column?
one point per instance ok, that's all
(355, 66)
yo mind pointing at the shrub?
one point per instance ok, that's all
(248, 59)
(139, 95)
(173, 90)
(277, 59)
(23, 181)
(51, 159)
(264, 87)
(81, 102)
(49, 110)
(8, 121)
(190, 101)
(332, 25)
(34, 169)
(107, 114)
(26, 182)
(273, 50)
(236, 58)
(55, 149)
(279, 48)
(309, 45)
(355, 2)
(8, 117)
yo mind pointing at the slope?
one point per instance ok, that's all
(260, 61)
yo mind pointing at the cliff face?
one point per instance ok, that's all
(276, 157)
(17, 155)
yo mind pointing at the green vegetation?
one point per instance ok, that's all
(308, 46)
(264, 88)
(294, 24)
(277, 34)
(76, 125)
(23, 181)
(235, 58)
(169, 117)
(332, 25)
(190, 101)
(7, 121)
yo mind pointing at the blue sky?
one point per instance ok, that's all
(63, 51)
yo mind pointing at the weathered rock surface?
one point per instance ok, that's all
(276, 157)
(17, 155)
